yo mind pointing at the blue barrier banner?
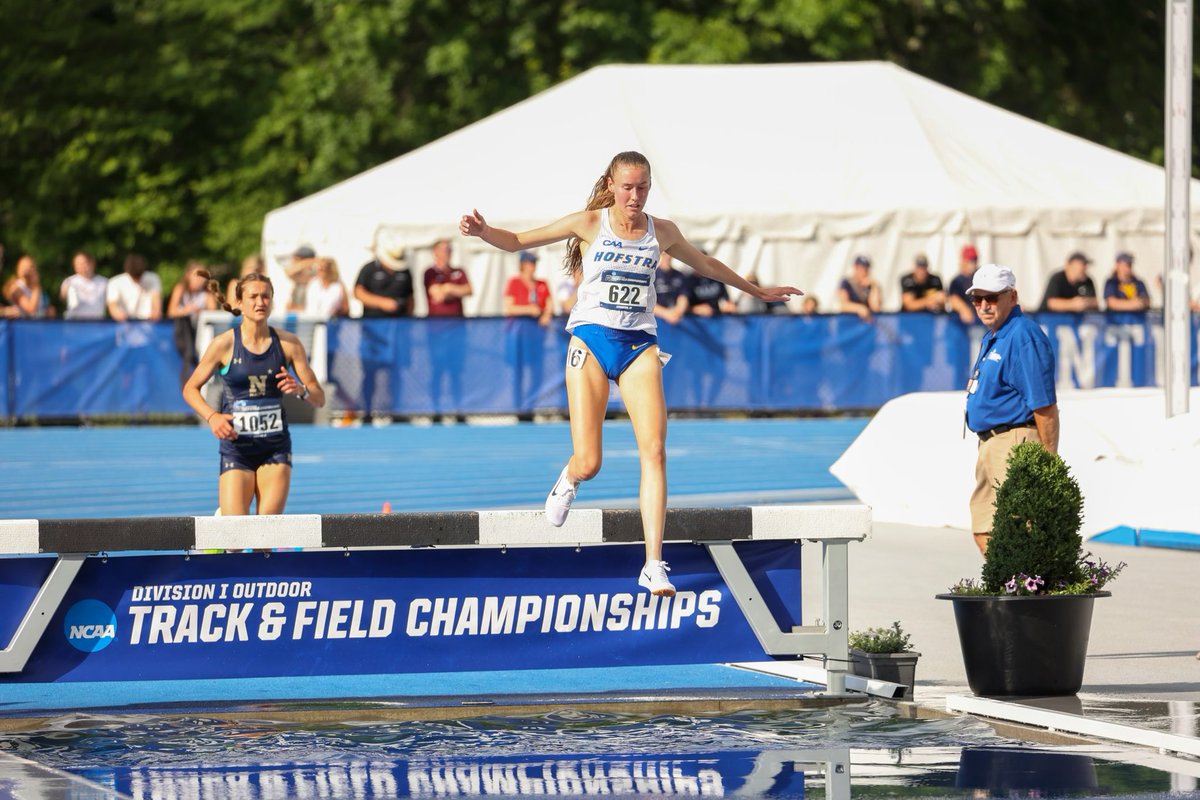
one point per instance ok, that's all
(407, 367)
(76, 368)
(161, 617)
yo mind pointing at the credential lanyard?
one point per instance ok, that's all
(973, 381)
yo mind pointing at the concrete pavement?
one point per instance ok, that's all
(1144, 639)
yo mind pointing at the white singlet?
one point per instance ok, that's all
(617, 289)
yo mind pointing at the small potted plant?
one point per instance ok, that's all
(884, 654)
(1024, 626)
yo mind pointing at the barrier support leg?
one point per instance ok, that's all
(14, 657)
(830, 638)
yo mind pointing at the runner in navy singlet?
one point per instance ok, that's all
(252, 359)
(617, 246)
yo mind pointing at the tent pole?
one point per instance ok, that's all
(1176, 266)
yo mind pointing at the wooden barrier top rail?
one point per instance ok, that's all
(827, 523)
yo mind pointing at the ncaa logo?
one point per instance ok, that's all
(90, 626)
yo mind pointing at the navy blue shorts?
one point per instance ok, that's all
(614, 349)
(249, 454)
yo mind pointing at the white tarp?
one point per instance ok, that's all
(915, 463)
(786, 170)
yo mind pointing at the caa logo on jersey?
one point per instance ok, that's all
(611, 243)
(90, 626)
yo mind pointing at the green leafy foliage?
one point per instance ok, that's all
(172, 127)
(881, 640)
(1039, 511)
(1035, 546)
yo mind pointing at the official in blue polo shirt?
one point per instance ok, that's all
(1010, 395)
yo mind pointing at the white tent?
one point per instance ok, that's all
(788, 171)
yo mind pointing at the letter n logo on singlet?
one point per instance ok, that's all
(258, 385)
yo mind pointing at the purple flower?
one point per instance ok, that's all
(1032, 584)
(1011, 586)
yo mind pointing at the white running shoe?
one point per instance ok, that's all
(654, 578)
(558, 502)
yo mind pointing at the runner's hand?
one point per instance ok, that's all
(774, 294)
(472, 224)
(221, 426)
(287, 383)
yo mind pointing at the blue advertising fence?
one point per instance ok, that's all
(402, 367)
(60, 369)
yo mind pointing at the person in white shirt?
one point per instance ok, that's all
(136, 293)
(85, 291)
(326, 297)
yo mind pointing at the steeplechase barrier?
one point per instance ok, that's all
(203, 600)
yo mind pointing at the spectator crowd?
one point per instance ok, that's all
(385, 287)
(312, 286)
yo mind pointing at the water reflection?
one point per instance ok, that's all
(780, 754)
(780, 774)
(1007, 771)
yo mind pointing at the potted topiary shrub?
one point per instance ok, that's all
(884, 654)
(1024, 626)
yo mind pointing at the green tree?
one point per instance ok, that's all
(172, 127)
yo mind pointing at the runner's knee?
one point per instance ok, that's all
(653, 454)
(586, 466)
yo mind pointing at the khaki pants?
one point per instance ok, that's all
(991, 468)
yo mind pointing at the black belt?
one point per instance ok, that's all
(985, 435)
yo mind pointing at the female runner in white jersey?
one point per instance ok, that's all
(617, 246)
(251, 424)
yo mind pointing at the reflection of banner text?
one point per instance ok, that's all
(571, 778)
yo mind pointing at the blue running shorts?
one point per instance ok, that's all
(614, 349)
(246, 454)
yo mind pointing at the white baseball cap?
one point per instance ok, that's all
(992, 278)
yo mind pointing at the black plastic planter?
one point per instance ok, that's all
(894, 667)
(1030, 646)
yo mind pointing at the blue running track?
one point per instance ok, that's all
(62, 473)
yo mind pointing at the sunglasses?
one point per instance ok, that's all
(991, 299)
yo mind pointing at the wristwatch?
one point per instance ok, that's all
(303, 394)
